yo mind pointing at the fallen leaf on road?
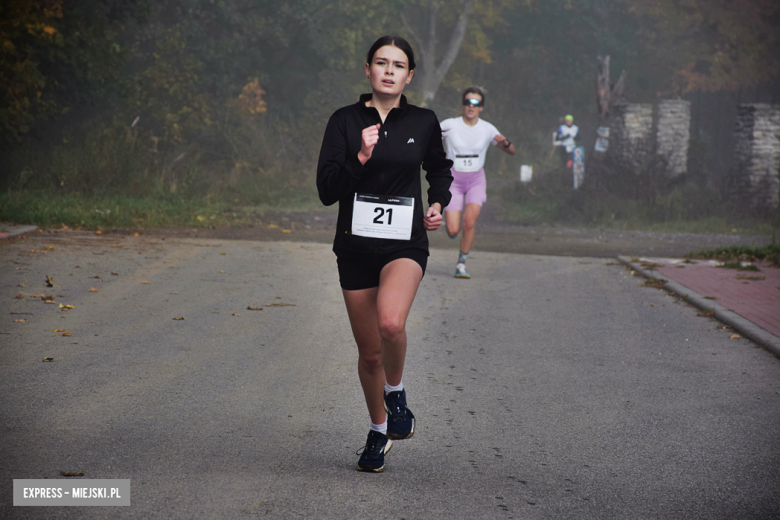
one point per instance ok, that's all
(235, 314)
(280, 304)
(180, 319)
(62, 296)
(655, 282)
(146, 282)
(47, 297)
(67, 307)
(66, 334)
(735, 336)
(49, 301)
(48, 359)
(48, 248)
(73, 473)
(98, 253)
(49, 281)
(21, 320)
(221, 271)
(223, 253)
(58, 330)
(92, 289)
(21, 285)
(286, 231)
(19, 296)
(707, 314)
(254, 308)
(115, 274)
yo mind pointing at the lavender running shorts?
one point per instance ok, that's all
(466, 188)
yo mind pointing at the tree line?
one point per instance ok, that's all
(209, 95)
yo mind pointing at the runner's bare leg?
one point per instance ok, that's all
(452, 221)
(469, 226)
(378, 318)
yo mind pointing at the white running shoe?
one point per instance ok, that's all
(460, 271)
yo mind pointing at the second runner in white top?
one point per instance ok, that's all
(467, 139)
(467, 145)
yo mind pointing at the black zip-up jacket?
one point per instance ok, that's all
(409, 137)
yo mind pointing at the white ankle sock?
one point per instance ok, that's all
(390, 388)
(381, 428)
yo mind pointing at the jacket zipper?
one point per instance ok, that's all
(384, 169)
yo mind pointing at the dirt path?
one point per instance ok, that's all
(492, 235)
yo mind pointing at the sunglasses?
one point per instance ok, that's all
(472, 102)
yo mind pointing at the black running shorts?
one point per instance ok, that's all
(363, 273)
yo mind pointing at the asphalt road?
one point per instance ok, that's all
(544, 387)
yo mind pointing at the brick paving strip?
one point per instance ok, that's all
(748, 301)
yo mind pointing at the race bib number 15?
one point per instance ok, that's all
(381, 216)
(466, 163)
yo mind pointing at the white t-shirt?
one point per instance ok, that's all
(565, 136)
(467, 145)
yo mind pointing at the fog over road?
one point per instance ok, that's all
(544, 387)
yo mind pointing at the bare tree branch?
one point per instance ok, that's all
(433, 74)
(417, 41)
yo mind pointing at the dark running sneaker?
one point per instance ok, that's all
(372, 458)
(400, 419)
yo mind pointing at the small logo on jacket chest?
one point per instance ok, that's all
(411, 140)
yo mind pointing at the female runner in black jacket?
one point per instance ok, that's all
(370, 164)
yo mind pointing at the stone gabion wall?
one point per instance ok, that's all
(673, 135)
(757, 155)
(630, 139)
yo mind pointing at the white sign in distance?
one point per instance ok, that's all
(382, 216)
(526, 173)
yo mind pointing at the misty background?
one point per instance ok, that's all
(224, 102)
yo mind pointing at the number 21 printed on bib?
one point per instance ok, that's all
(381, 216)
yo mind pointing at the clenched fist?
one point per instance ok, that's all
(369, 138)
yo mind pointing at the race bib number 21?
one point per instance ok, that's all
(381, 216)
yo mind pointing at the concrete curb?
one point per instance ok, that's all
(7, 232)
(745, 327)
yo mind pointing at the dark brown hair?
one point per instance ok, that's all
(474, 90)
(395, 41)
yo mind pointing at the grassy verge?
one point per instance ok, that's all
(81, 212)
(770, 253)
(53, 210)
(685, 209)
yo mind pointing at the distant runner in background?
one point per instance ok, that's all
(467, 139)
(567, 136)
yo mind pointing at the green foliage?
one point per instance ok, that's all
(58, 56)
